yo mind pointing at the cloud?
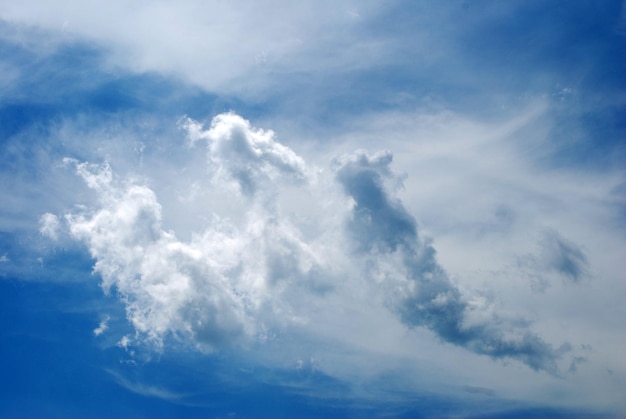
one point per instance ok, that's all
(249, 156)
(217, 289)
(244, 49)
(234, 284)
(146, 390)
(301, 258)
(425, 296)
(169, 287)
(564, 257)
(556, 255)
(102, 327)
(49, 225)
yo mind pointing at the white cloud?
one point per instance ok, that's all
(214, 290)
(102, 327)
(249, 156)
(49, 225)
(170, 287)
(124, 342)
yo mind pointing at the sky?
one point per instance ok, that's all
(313, 209)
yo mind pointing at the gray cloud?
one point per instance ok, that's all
(381, 229)
(563, 256)
(556, 257)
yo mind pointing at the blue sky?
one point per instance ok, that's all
(321, 209)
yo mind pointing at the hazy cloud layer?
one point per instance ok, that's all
(244, 50)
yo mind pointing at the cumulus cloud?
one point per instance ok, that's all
(168, 286)
(210, 291)
(249, 156)
(237, 282)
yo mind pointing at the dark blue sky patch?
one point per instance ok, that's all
(569, 41)
(15, 117)
(33, 258)
(574, 56)
(592, 135)
(51, 362)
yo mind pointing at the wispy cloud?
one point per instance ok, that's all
(146, 390)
